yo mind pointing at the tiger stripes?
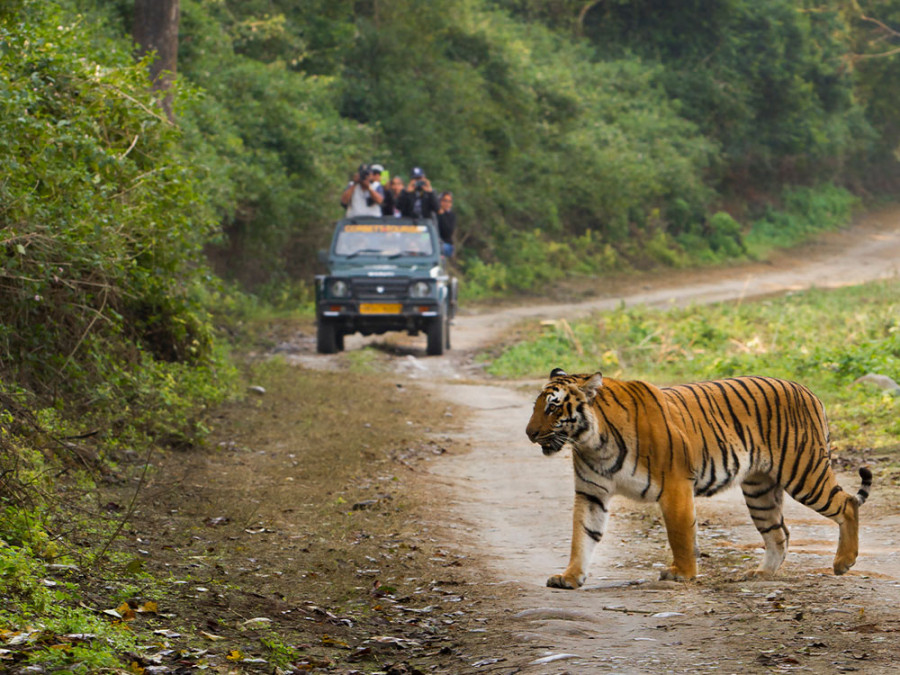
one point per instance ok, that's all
(670, 444)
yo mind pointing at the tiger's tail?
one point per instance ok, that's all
(863, 493)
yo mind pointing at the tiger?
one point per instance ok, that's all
(670, 444)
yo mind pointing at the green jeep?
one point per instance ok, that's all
(384, 274)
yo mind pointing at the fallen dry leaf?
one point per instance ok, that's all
(124, 610)
(257, 621)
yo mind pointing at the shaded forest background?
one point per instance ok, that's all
(579, 138)
(577, 135)
(605, 133)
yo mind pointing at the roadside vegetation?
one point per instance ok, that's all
(107, 344)
(825, 339)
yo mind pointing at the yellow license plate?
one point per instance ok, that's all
(380, 308)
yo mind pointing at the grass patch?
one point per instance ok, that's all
(536, 260)
(804, 213)
(824, 339)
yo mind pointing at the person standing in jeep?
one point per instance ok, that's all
(418, 200)
(391, 205)
(446, 218)
(361, 196)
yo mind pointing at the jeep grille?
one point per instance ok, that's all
(380, 288)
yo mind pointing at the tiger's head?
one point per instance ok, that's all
(561, 411)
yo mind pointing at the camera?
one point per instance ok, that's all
(363, 173)
(420, 184)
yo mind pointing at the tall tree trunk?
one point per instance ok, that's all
(156, 30)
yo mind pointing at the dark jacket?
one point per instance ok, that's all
(429, 204)
(390, 202)
(446, 226)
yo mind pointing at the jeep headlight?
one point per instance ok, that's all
(340, 289)
(420, 289)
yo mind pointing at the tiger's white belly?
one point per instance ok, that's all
(635, 486)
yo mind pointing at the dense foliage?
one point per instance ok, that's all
(605, 130)
(767, 80)
(106, 347)
(102, 227)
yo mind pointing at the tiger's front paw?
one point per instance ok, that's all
(674, 574)
(565, 581)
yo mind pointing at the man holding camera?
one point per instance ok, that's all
(419, 200)
(362, 196)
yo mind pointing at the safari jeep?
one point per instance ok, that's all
(384, 274)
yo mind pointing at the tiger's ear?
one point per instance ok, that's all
(593, 384)
(557, 372)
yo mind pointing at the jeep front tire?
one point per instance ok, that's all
(438, 333)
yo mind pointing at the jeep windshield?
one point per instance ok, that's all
(390, 240)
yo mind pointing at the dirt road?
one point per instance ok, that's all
(512, 507)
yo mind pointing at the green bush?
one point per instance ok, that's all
(803, 212)
(103, 218)
(533, 259)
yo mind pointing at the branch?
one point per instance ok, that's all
(131, 506)
(579, 23)
(143, 107)
(880, 24)
(130, 147)
(888, 33)
(860, 57)
(97, 315)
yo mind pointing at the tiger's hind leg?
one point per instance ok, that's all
(848, 540)
(764, 498)
(822, 494)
